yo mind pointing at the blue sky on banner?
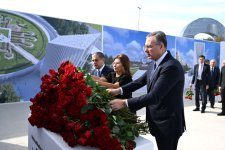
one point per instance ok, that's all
(129, 42)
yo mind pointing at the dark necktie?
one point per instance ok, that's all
(154, 67)
(99, 73)
(212, 70)
(152, 73)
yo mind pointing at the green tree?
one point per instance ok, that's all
(216, 39)
(7, 94)
(88, 65)
(219, 39)
(209, 39)
(108, 60)
(186, 68)
(67, 27)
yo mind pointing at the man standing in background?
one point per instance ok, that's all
(98, 60)
(200, 79)
(222, 88)
(214, 81)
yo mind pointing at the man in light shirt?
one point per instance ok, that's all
(201, 79)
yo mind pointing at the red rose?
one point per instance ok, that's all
(88, 91)
(64, 95)
(77, 127)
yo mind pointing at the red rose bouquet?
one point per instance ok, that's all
(216, 92)
(71, 104)
(188, 94)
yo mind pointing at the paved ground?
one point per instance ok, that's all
(204, 131)
(13, 128)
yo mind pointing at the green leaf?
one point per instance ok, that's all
(116, 129)
(86, 108)
(130, 134)
(108, 111)
(121, 122)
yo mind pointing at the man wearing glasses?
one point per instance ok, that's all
(164, 98)
(100, 69)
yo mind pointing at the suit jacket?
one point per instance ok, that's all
(205, 74)
(222, 78)
(214, 78)
(105, 71)
(164, 98)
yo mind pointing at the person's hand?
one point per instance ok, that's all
(114, 92)
(219, 88)
(207, 87)
(117, 104)
(95, 78)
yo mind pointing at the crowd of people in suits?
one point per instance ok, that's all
(165, 83)
(207, 78)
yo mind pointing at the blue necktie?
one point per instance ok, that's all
(154, 66)
(153, 70)
(212, 71)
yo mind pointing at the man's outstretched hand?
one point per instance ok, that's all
(117, 104)
(114, 92)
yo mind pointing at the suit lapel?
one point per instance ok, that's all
(196, 72)
(103, 70)
(153, 79)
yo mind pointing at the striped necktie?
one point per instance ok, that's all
(153, 70)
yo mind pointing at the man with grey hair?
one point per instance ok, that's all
(164, 98)
(213, 81)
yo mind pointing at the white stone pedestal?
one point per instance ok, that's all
(42, 139)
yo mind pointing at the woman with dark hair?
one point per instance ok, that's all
(120, 76)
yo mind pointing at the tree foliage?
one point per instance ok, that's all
(108, 60)
(7, 94)
(67, 27)
(219, 39)
(216, 39)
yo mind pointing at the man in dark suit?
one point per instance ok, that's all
(201, 79)
(101, 69)
(214, 81)
(164, 98)
(222, 88)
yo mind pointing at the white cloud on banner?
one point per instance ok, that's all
(108, 38)
(133, 45)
